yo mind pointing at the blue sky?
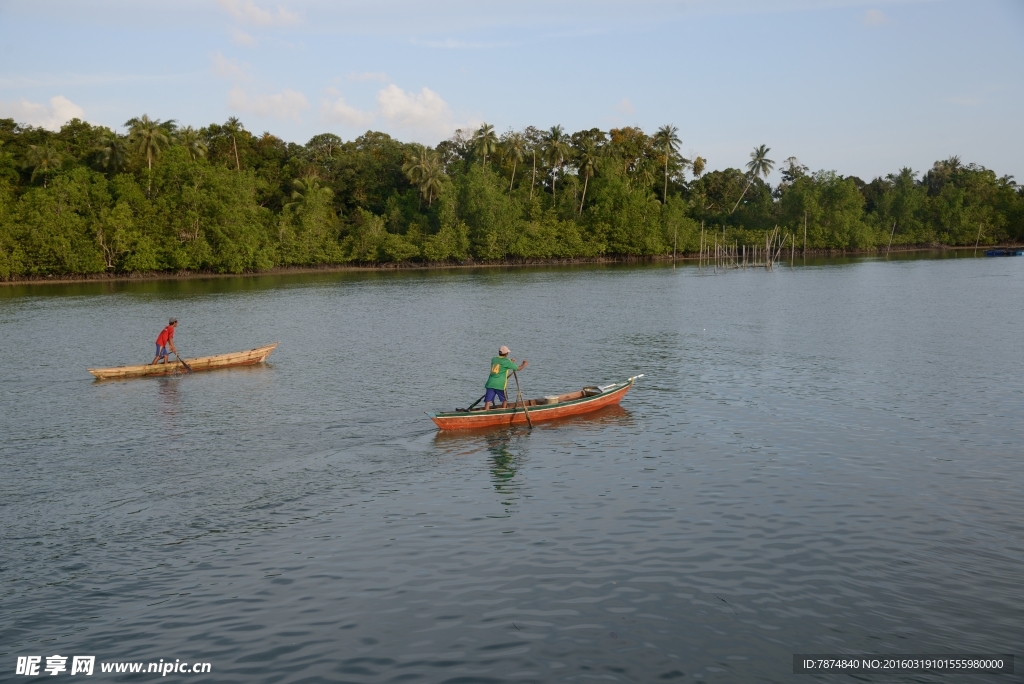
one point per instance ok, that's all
(860, 87)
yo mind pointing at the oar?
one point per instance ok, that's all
(467, 410)
(182, 362)
(529, 421)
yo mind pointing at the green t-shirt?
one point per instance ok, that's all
(501, 366)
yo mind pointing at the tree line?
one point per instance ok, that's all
(164, 197)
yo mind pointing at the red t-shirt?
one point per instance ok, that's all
(165, 335)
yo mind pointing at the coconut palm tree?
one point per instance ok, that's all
(668, 142)
(43, 159)
(556, 147)
(587, 162)
(113, 153)
(433, 177)
(759, 165)
(413, 167)
(485, 141)
(234, 127)
(426, 171)
(515, 149)
(149, 137)
(307, 190)
(190, 139)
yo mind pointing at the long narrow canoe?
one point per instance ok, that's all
(200, 363)
(547, 408)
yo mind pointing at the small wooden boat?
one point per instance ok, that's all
(201, 363)
(1009, 251)
(547, 408)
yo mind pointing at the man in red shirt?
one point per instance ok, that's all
(164, 340)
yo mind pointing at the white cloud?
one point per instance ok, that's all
(60, 111)
(240, 37)
(247, 12)
(288, 104)
(874, 17)
(339, 111)
(368, 76)
(229, 68)
(423, 114)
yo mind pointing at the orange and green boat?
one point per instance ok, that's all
(546, 408)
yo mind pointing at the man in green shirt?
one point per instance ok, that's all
(501, 366)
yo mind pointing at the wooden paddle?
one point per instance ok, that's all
(182, 362)
(519, 391)
(467, 410)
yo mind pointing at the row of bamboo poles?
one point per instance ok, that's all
(717, 254)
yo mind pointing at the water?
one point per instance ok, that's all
(823, 459)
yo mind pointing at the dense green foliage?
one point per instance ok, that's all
(165, 198)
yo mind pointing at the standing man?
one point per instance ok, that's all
(164, 340)
(501, 366)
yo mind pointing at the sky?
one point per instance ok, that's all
(863, 88)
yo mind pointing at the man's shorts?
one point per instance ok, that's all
(493, 394)
(161, 351)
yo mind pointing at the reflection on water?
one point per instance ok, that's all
(168, 391)
(503, 468)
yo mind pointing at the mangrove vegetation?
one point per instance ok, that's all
(164, 197)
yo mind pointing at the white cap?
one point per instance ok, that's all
(503, 350)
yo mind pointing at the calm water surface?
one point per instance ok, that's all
(820, 459)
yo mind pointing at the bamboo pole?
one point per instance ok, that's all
(977, 240)
(891, 233)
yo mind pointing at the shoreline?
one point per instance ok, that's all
(427, 266)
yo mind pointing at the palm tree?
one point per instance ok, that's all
(515, 149)
(425, 171)
(192, 141)
(43, 159)
(234, 127)
(759, 165)
(556, 148)
(113, 152)
(533, 180)
(433, 177)
(413, 168)
(485, 140)
(149, 138)
(587, 162)
(307, 189)
(668, 142)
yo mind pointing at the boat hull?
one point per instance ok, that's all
(201, 363)
(462, 420)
